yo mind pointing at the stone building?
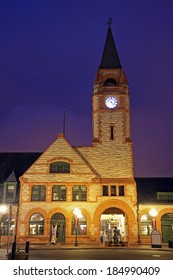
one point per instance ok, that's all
(98, 180)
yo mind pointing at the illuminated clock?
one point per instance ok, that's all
(111, 101)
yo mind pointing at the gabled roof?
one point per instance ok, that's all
(110, 59)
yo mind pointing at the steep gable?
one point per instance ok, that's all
(59, 150)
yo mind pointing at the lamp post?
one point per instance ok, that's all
(138, 222)
(153, 213)
(77, 215)
(3, 209)
(8, 228)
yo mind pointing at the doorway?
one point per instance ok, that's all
(58, 225)
(111, 219)
(167, 227)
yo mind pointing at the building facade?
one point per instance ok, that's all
(97, 180)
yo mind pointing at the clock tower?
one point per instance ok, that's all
(111, 108)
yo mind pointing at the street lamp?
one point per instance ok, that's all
(153, 213)
(77, 215)
(3, 209)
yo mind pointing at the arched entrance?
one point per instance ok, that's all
(113, 220)
(58, 225)
(167, 227)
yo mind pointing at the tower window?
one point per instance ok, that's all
(105, 190)
(112, 132)
(110, 82)
(121, 190)
(113, 190)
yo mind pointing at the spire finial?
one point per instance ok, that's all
(109, 21)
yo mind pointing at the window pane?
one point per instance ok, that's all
(36, 225)
(113, 190)
(79, 193)
(146, 225)
(121, 190)
(10, 192)
(105, 190)
(81, 226)
(59, 193)
(60, 167)
(38, 193)
(4, 225)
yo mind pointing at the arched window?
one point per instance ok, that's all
(81, 225)
(36, 224)
(110, 82)
(146, 225)
(60, 167)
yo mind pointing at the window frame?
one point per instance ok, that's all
(82, 194)
(81, 225)
(60, 167)
(37, 223)
(41, 193)
(61, 195)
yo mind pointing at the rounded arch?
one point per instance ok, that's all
(110, 82)
(114, 203)
(35, 210)
(85, 213)
(36, 224)
(164, 211)
(57, 210)
(30, 213)
(57, 227)
(130, 221)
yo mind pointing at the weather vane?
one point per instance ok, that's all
(109, 21)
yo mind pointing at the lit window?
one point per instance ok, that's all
(36, 224)
(59, 193)
(81, 225)
(79, 193)
(146, 225)
(4, 225)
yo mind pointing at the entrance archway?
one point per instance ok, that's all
(130, 234)
(58, 225)
(110, 220)
(167, 227)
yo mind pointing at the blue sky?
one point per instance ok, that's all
(49, 55)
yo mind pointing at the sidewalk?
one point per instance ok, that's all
(71, 246)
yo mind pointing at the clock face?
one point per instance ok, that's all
(111, 102)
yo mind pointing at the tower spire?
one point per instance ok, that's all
(110, 58)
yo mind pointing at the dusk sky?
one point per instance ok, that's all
(49, 55)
